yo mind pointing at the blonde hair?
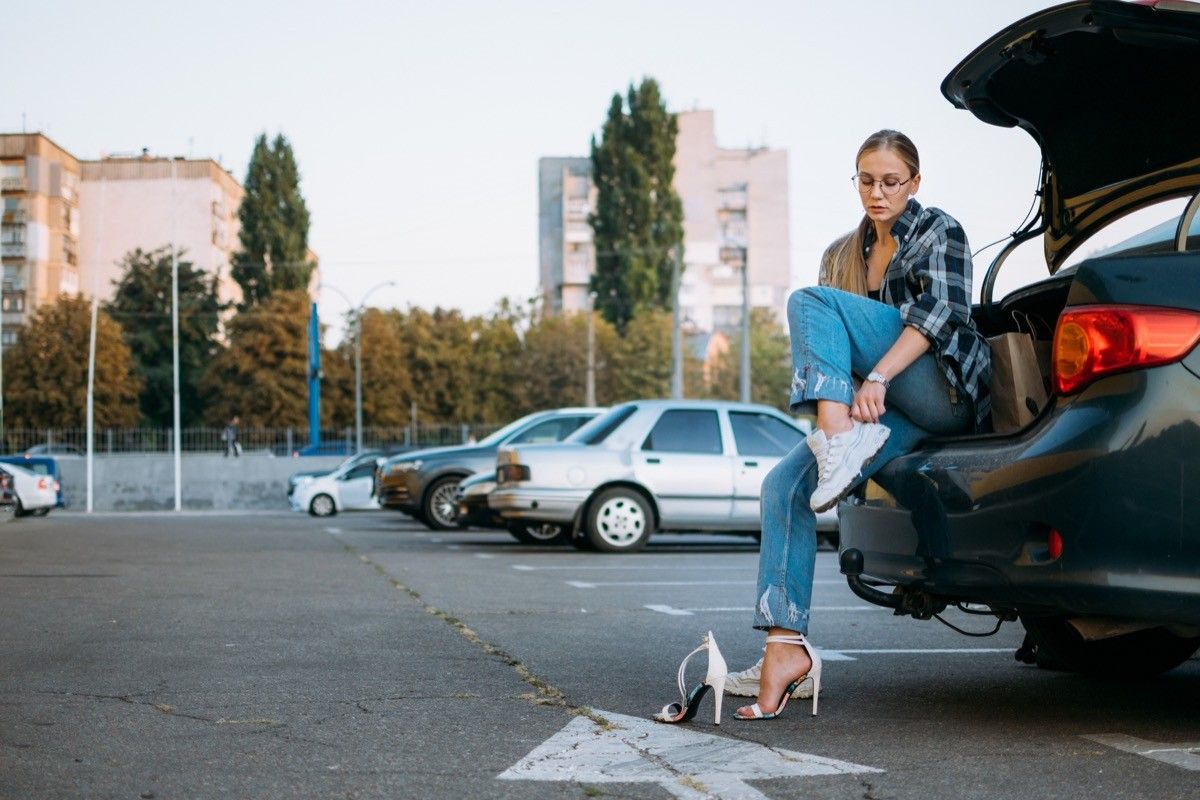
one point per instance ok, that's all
(843, 265)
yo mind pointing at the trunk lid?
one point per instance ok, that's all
(1107, 89)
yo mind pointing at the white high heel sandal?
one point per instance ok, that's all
(714, 679)
(814, 672)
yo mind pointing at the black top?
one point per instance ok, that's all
(874, 294)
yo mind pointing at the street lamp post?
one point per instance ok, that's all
(590, 389)
(357, 311)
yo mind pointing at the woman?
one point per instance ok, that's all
(893, 309)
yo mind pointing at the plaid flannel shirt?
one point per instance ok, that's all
(929, 280)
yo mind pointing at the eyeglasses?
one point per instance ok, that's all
(866, 183)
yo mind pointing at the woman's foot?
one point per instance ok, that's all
(841, 460)
(783, 665)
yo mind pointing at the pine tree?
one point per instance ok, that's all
(274, 225)
(45, 375)
(142, 304)
(638, 221)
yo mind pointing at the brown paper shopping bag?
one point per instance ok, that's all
(1018, 394)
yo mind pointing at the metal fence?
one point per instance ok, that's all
(279, 441)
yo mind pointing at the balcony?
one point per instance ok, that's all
(12, 250)
(13, 183)
(578, 209)
(578, 233)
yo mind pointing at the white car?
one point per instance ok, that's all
(650, 465)
(351, 487)
(36, 494)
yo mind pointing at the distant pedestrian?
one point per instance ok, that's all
(230, 437)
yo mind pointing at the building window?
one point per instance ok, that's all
(8, 338)
(14, 212)
(69, 250)
(12, 178)
(13, 301)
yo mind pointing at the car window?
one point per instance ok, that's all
(602, 426)
(361, 471)
(548, 431)
(685, 431)
(762, 434)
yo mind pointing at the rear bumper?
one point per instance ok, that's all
(1115, 470)
(543, 505)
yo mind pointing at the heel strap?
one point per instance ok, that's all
(789, 639)
(680, 677)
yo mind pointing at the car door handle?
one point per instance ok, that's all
(653, 461)
(751, 463)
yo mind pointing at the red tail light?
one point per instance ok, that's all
(41, 484)
(1092, 341)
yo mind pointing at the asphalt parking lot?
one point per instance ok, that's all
(276, 655)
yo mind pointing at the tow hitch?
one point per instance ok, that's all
(903, 601)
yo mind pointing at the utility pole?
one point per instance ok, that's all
(676, 325)
(175, 347)
(745, 388)
(358, 380)
(590, 391)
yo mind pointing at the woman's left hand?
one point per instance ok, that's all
(868, 402)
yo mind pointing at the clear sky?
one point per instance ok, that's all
(418, 126)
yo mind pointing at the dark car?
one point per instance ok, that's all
(1083, 524)
(424, 483)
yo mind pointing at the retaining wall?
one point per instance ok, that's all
(146, 481)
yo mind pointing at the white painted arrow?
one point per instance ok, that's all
(687, 763)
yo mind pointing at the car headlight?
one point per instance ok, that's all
(404, 466)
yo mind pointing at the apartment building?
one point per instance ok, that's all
(146, 202)
(40, 229)
(735, 205)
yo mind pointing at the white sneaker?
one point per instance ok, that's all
(841, 460)
(745, 683)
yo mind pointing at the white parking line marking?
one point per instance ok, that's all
(922, 651)
(454, 547)
(484, 555)
(597, 584)
(1183, 755)
(334, 531)
(687, 612)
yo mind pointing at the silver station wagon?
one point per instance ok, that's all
(650, 465)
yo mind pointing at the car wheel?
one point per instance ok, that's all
(40, 512)
(440, 509)
(19, 510)
(1057, 645)
(619, 521)
(322, 506)
(540, 533)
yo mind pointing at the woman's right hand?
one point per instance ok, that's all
(868, 402)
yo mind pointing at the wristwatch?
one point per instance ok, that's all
(877, 377)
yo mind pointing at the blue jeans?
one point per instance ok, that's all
(837, 335)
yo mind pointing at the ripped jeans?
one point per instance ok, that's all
(835, 336)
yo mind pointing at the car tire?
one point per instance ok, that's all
(543, 534)
(19, 510)
(322, 506)
(40, 512)
(1057, 645)
(619, 520)
(439, 510)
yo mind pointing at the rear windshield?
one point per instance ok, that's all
(599, 429)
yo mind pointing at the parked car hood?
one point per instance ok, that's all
(457, 451)
(1107, 90)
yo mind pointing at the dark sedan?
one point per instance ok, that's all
(424, 483)
(1083, 524)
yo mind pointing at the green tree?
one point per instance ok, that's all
(439, 349)
(770, 363)
(638, 222)
(496, 394)
(262, 376)
(274, 225)
(386, 380)
(142, 303)
(45, 375)
(553, 367)
(641, 363)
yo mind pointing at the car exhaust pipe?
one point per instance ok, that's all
(851, 563)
